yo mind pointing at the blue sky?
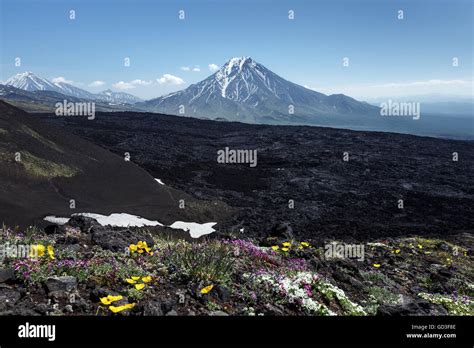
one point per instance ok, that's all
(387, 56)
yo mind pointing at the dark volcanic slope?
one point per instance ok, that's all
(332, 198)
(56, 167)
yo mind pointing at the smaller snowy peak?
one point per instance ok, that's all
(117, 97)
(107, 92)
(29, 81)
(24, 74)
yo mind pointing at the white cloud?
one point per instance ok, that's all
(185, 68)
(213, 67)
(123, 85)
(96, 83)
(61, 79)
(196, 68)
(132, 84)
(170, 79)
(139, 82)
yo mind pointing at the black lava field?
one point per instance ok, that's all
(322, 182)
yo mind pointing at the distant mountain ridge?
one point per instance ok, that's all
(28, 81)
(46, 100)
(117, 97)
(244, 90)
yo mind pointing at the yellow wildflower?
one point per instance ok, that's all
(130, 281)
(286, 244)
(285, 249)
(305, 244)
(420, 246)
(275, 247)
(105, 300)
(146, 279)
(397, 251)
(121, 308)
(132, 248)
(135, 277)
(37, 250)
(376, 265)
(51, 252)
(139, 286)
(109, 299)
(115, 298)
(207, 289)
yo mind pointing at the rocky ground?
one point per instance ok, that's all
(267, 257)
(357, 199)
(83, 268)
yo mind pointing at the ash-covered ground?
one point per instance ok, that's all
(391, 185)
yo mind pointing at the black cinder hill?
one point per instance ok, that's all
(42, 168)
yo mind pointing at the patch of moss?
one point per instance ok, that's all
(41, 167)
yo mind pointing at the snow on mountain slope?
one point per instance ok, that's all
(117, 97)
(244, 90)
(28, 81)
(68, 89)
(31, 82)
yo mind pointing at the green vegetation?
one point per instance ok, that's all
(453, 304)
(211, 261)
(241, 277)
(41, 167)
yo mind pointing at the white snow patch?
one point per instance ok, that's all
(195, 229)
(159, 181)
(56, 220)
(121, 220)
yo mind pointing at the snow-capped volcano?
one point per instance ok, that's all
(31, 82)
(245, 90)
(28, 81)
(241, 79)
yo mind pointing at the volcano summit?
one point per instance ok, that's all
(246, 91)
